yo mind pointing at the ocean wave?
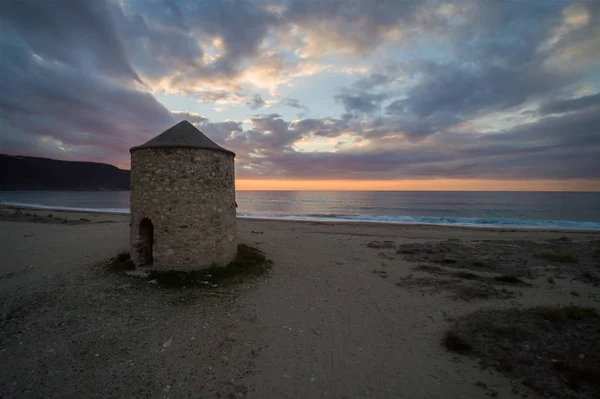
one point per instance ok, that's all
(65, 208)
(438, 221)
(324, 217)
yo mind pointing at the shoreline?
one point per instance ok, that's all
(317, 221)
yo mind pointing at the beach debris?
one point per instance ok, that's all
(154, 281)
(287, 328)
(257, 232)
(208, 283)
(231, 337)
(313, 379)
(167, 343)
(137, 273)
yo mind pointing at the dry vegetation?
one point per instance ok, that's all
(519, 258)
(553, 351)
(249, 261)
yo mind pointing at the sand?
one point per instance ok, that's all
(342, 314)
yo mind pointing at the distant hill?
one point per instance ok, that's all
(32, 173)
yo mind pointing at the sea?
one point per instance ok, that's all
(549, 210)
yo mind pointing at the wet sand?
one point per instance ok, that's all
(348, 310)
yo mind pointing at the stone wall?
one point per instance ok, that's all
(189, 196)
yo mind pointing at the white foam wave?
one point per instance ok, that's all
(438, 221)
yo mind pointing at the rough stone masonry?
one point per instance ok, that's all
(183, 214)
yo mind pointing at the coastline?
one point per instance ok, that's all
(66, 210)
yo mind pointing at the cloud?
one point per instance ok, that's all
(193, 118)
(357, 103)
(54, 105)
(355, 27)
(562, 147)
(423, 89)
(272, 69)
(256, 102)
(294, 103)
(558, 106)
(199, 40)
(81, 36)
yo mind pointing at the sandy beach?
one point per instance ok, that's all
(349, 310)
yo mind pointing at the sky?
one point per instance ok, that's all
(366, 94)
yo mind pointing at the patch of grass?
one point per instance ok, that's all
(404, 251)
(381, 245)
(551, 350)
(447, 261)
(558, 257)
(248, 261)
(120, 263)
(590, 277)
(471, 289)
(455, 343)
(560, 314)
(482, 291)
(430, 269)
(467, 275)
(510, 279)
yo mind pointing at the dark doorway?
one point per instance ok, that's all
(146, 234)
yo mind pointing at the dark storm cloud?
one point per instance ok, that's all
(373, 81)
(576, 130)
(559, 106)
(358, 103)
(156, 48)
(80, 34)
(71, 100)
(478, 88)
